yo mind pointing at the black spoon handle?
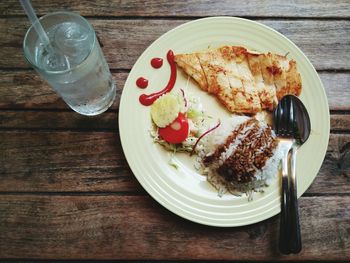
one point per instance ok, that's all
(295, 235)
(284, 217)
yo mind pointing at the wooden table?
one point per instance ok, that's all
(66, 189)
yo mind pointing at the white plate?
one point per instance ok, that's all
(184, 191)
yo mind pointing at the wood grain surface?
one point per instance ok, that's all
(180, 8)
(326, 44)
(66, 190)
(26, 90)
(63, 161)
(136, 227)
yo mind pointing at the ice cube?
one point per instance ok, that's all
(73, 41)
(50, 59)
(57, 62)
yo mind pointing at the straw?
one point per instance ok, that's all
(27, 6)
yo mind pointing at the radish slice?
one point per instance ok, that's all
(204, 134)
(177, 131)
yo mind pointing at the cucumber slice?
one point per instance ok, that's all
(165, 110)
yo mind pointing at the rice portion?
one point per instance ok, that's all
(241, 156)
(218, 136)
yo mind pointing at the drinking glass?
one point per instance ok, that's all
(74, 65)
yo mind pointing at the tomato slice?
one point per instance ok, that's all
(177, 131)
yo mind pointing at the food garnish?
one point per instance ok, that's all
(179, 121)
(165, 110)
(204, 134)
(183, 95)
(177, 131)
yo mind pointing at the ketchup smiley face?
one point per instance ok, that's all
(147, 100)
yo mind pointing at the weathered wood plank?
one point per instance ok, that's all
(337, 88)
(334, 175)
(136, 227)
(64, 161)
(10, 119)
(269, 8)
(58, 120)
(125, 40)
(94, 161)
(340, 122)
(26, 90)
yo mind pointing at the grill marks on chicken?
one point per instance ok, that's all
(243, 81)
(193, 68)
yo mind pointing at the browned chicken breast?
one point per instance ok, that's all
(243, 81)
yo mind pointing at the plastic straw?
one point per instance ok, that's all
(27, 6)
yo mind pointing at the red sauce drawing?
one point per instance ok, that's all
(142, 83)
(157, 62)
(149, 99)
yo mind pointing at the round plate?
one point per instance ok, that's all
(184, 191)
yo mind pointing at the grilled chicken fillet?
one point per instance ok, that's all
(243, 81)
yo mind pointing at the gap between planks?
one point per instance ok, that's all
(132, 193)
(277, 17)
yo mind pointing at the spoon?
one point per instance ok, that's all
(291, 123)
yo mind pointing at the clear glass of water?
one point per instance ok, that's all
(74, 65)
